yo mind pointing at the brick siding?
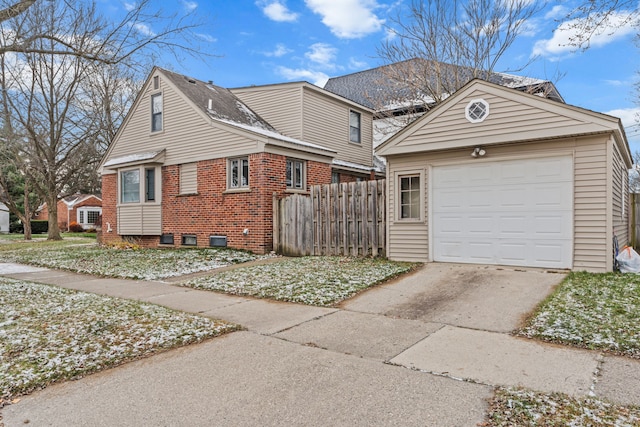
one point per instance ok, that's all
(214, 210)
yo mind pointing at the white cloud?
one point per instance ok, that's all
(629, 116)
(318, 78)
(207, 38)
(322, 54)
(348, 19)
(144, 29)
(189, 6)
(129, 6)
(561, 44)
(277, 11)
(354, 64)
(279, 51)
(557, 11)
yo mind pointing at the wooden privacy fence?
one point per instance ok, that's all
(334, 219)
(635, 221)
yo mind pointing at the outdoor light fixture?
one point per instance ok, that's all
(478, 152)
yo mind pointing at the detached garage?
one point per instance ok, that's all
(496, 176)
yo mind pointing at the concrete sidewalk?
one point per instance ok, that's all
(304, 365)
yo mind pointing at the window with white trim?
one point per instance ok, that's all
(410, 197)
(88, 216)
(295, 175)
(477, 110)
(238, 173)
(354, 126)
(138, 185)
(130, 186)
(156, 112)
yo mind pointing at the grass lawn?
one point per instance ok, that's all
(143, 264)
(322, 281)
(49, 334)
(516, 407)
(594, 311)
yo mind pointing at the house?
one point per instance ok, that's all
(494, 175)
(301, 110)
(4, 218)
(84, 209)
(195, 164)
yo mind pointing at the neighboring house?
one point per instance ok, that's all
(4, 219)
(194, 164)
(494, 175)
(85, 209)
(397, 103)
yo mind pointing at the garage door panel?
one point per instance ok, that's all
(517, 212)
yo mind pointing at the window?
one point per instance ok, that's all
(130, 186)
(92, 217)
(189, 178)
(156, 112)
(354, 126)
(88, 216)
(410, 197)
(156, 82)
(335, 177)
(189, 240)
(239, 173)
(295, 174)
(477, 110)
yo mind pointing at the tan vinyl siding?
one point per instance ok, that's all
(280, 106)
(140, 220)
(508, 121)
(308, 114)
(590, 195)
(620, 198)
(326, 122)
(186, 135)
(407, 241)
(189, 178)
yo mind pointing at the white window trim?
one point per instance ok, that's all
(240, 187)
(398, 201)
(303, 188)
(142, 190)
(85, 212)
(153, 95)
(473, 102)
(359, 142)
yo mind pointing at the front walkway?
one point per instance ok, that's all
(303, 365)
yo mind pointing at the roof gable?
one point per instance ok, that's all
(513, 117)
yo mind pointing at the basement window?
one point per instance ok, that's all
(189, 240)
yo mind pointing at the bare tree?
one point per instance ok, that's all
(593, 17)
(141, 29)
(437, 46)
(69, 76)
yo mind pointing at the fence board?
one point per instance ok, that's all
(334, 219)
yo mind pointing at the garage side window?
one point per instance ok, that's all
(410, 197)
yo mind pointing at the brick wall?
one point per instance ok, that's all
(216, 211)
(109, 221)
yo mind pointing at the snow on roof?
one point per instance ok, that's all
(274, 135)
(138, 157)
(354, 166)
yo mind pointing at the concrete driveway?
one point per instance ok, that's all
(472, 296)
(369, 362)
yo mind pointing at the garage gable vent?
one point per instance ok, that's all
(477, 110)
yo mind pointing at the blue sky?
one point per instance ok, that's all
(271, 41)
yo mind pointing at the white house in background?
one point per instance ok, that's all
(4, 218)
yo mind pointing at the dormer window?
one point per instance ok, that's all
(156, 112)
(354, 127)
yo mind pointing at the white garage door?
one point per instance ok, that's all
(516, 212)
